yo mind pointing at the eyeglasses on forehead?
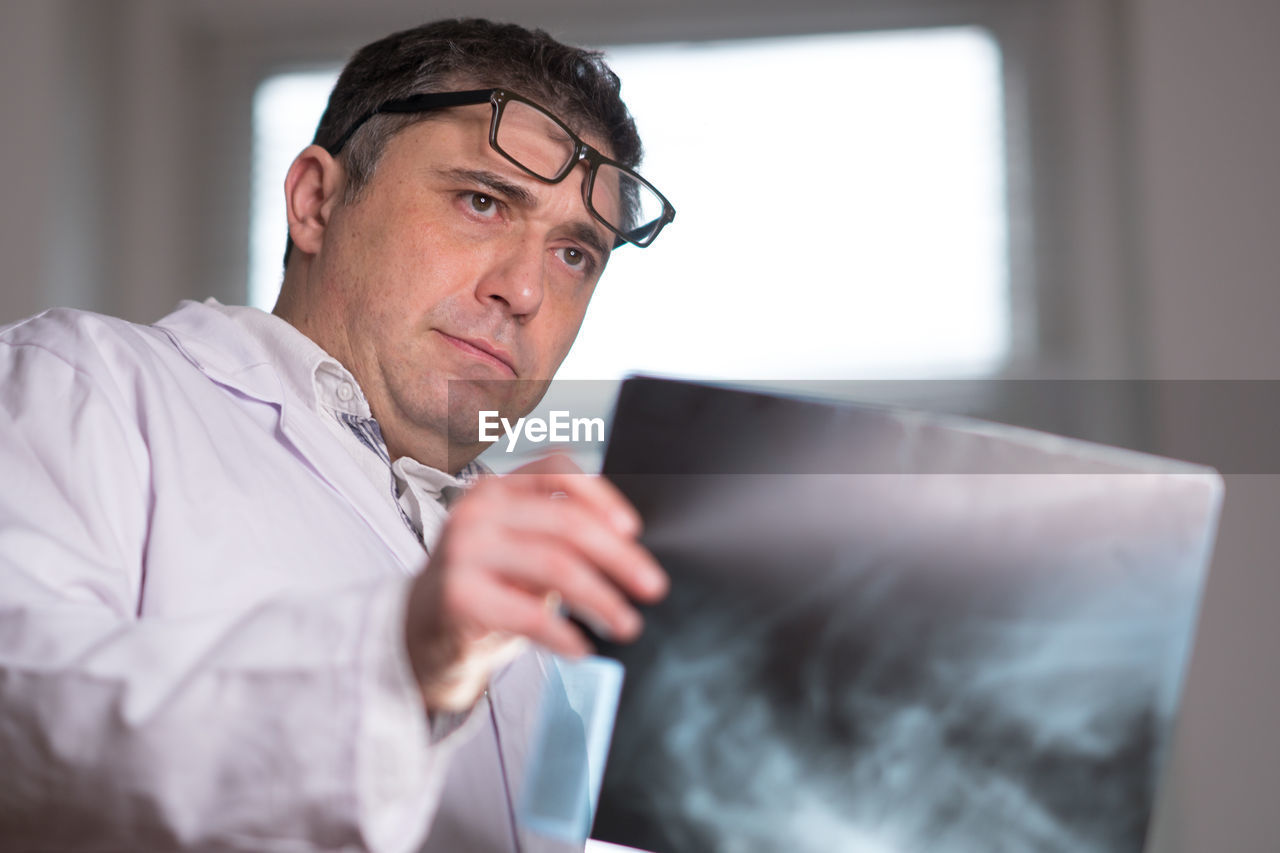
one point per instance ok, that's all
(616, 195)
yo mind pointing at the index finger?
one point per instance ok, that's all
(558, 473)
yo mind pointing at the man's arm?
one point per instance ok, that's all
(296, 721)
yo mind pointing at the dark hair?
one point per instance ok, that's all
(458, 53)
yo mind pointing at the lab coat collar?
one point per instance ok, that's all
(216, 344)
(221, 349)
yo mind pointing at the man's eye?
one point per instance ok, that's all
(575, 258)
(482, 204)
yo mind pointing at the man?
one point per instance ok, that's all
(234, 610)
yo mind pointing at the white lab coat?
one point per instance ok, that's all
(201, 602)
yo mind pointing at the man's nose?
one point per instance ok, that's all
(516, 280)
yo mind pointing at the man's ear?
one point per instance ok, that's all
(312, 190)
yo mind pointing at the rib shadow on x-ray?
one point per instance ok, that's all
(909, 660)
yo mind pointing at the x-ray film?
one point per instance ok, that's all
(890, 631)
(565, 771)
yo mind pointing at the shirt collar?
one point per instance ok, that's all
(434, 483)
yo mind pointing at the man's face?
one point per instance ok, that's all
(454, 269)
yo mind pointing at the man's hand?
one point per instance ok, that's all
(513, 550)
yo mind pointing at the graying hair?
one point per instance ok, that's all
(572, 82)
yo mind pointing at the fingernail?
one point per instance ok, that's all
(596, 625)
(631, 623)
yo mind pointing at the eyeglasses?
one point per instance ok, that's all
(543, 146)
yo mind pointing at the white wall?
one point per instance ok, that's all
(97, 151)
(32, 60)
(1207, 122)
(112, 201)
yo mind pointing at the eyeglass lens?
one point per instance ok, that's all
(539, 143)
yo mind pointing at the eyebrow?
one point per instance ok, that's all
(489, 180)
(584, 233)
(581, 231)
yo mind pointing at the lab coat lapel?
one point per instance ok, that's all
(312, 441)
(220, 349)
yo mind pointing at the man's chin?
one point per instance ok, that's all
(469, 399)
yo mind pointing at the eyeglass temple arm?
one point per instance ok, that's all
(415, 104)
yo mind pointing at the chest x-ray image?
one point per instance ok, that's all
(892, 632)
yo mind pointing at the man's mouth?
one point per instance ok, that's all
(483, 350)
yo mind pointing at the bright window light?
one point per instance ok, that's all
(841, 209)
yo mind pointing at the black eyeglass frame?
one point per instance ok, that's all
(499, 98)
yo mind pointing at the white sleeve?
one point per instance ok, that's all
(294, 725)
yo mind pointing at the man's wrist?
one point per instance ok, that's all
(456, 688)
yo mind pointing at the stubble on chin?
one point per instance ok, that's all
(467, 398)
